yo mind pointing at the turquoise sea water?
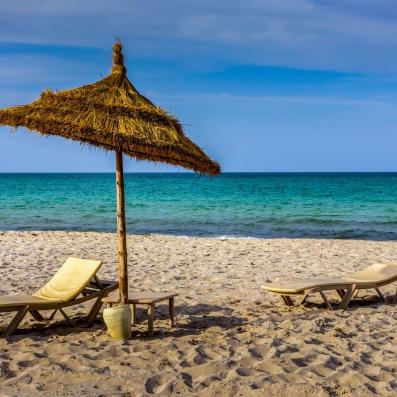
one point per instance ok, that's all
(234, 204)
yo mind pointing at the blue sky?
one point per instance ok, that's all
(276, 85)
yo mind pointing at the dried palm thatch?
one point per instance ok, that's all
(113, 115)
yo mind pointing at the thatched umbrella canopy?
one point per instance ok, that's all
(113, 115)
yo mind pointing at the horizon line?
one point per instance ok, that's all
(198, 174)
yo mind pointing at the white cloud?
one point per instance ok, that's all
(357, 36)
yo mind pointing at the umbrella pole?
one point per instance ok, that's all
(121, 229)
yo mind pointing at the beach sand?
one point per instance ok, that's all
(231, 339)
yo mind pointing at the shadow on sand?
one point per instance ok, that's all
(193, 320)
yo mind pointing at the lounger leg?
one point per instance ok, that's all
(341, 293)
(355, 296)
(394, 300)
(171, 306)
(382, 298)
(36, 315)
(347, 296)
(53, 314)
(67, 318)
(287, 300)
(133, 314)
(94, 311)
(304, 299)
(92, 315)
(326, 300)
(16, 321)
(150, 310)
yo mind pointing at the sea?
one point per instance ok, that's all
(245, 205)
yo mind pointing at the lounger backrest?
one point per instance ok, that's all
(69, 280)
(376, 273)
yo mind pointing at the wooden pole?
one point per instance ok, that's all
(121, 230)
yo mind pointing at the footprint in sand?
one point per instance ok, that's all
(159, 384)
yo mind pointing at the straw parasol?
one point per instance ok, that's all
(113, 115)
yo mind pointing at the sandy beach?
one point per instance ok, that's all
(231, 338)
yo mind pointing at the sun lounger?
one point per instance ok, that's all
(74, 283)
(289, 288)
(374, 276)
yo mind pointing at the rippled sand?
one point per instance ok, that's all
(232, 338)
